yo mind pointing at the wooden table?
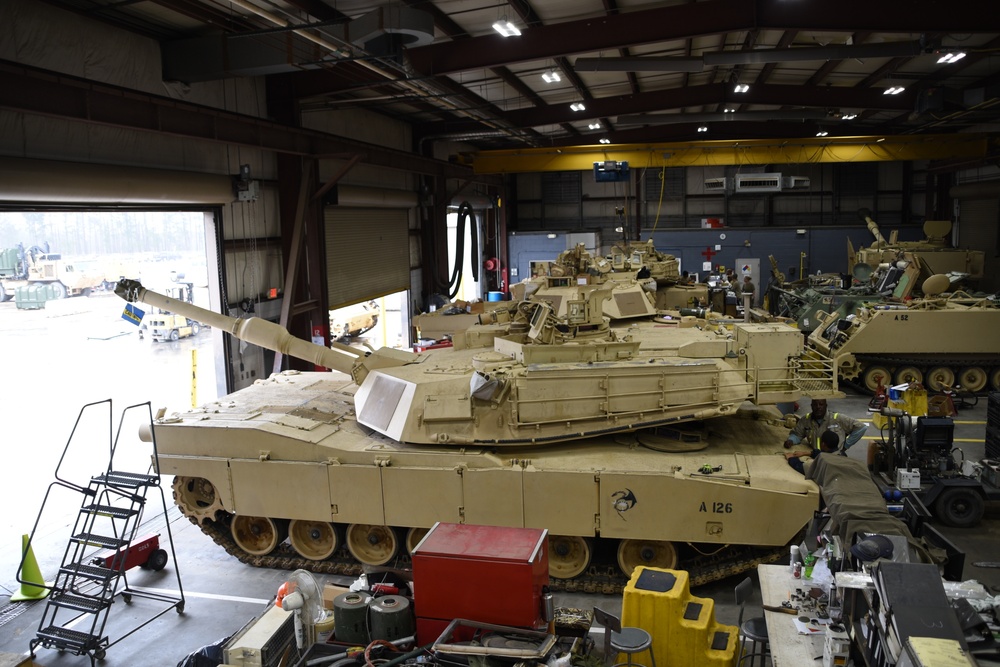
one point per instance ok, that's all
(788, 647)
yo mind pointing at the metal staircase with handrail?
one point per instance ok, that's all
(102, 546)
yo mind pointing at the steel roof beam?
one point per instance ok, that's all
(823, 97)
(36, 91)
(678, 22)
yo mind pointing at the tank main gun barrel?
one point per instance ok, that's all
(269, 335)
(865, 215)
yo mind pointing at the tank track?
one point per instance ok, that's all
(987, 363)
(602, 579)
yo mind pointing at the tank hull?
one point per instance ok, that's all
(290, 448)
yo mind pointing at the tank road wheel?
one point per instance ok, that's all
(633, 553)
(940, 378)
(906, 374)
(960, 507)
(876, 375)
(258, 535)
(196, 498)
(569, 556)
(315, 540)
(973, 379)
(995, 379)
(413, 537)
(372, 545)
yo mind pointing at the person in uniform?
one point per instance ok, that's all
(828, 444)
(748, 287)
(809, 429)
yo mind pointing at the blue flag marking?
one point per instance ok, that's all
(132, 314)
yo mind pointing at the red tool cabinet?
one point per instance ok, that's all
(479, 573)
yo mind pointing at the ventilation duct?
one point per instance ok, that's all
(221, 56)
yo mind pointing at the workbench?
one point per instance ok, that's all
(788, 647)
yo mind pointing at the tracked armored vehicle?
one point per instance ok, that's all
(641, 443)
(642, 281)
(940, 341)
(931, 256)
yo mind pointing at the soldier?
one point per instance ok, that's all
(828, 444)
(808, 430)
(748, 287)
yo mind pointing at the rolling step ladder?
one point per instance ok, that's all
(103, 545)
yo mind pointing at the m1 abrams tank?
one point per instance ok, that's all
(635, 444)
(642, 280)
(941, 340)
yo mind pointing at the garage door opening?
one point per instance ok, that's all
(66, 338)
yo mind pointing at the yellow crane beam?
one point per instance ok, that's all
(723, 153)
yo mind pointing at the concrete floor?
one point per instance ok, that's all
(223, 594)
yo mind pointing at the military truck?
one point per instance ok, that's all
(649, 443)
(37, 267)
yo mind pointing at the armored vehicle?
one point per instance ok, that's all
(354, 320)
(645, 444)
(931, 256)
(941, 340)
(642, 280)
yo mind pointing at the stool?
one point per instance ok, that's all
(753, 629)
(625, 640)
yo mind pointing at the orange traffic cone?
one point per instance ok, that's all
(33, 586)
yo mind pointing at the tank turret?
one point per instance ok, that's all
(536, 377)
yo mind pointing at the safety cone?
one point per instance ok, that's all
(33, 586)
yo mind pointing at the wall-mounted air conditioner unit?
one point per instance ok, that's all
(717, 185)
(794, 183)
(758, 183)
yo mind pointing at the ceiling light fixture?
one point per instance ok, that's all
(880, 140)
(577, 106)
(849, 116)
(506, 28)
(551, 76)
(605, 141)
(727, 110)
(594, 126)
(822, 133)
(893, 90)
(949, 58)
(741, 88)
(703, 128)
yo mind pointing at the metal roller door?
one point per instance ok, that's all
(367, 253)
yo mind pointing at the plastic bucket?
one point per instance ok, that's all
(494, 296)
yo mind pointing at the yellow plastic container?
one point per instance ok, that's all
(683, 626)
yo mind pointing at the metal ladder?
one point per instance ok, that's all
(92, 575)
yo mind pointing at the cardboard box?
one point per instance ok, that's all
(330, 593)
